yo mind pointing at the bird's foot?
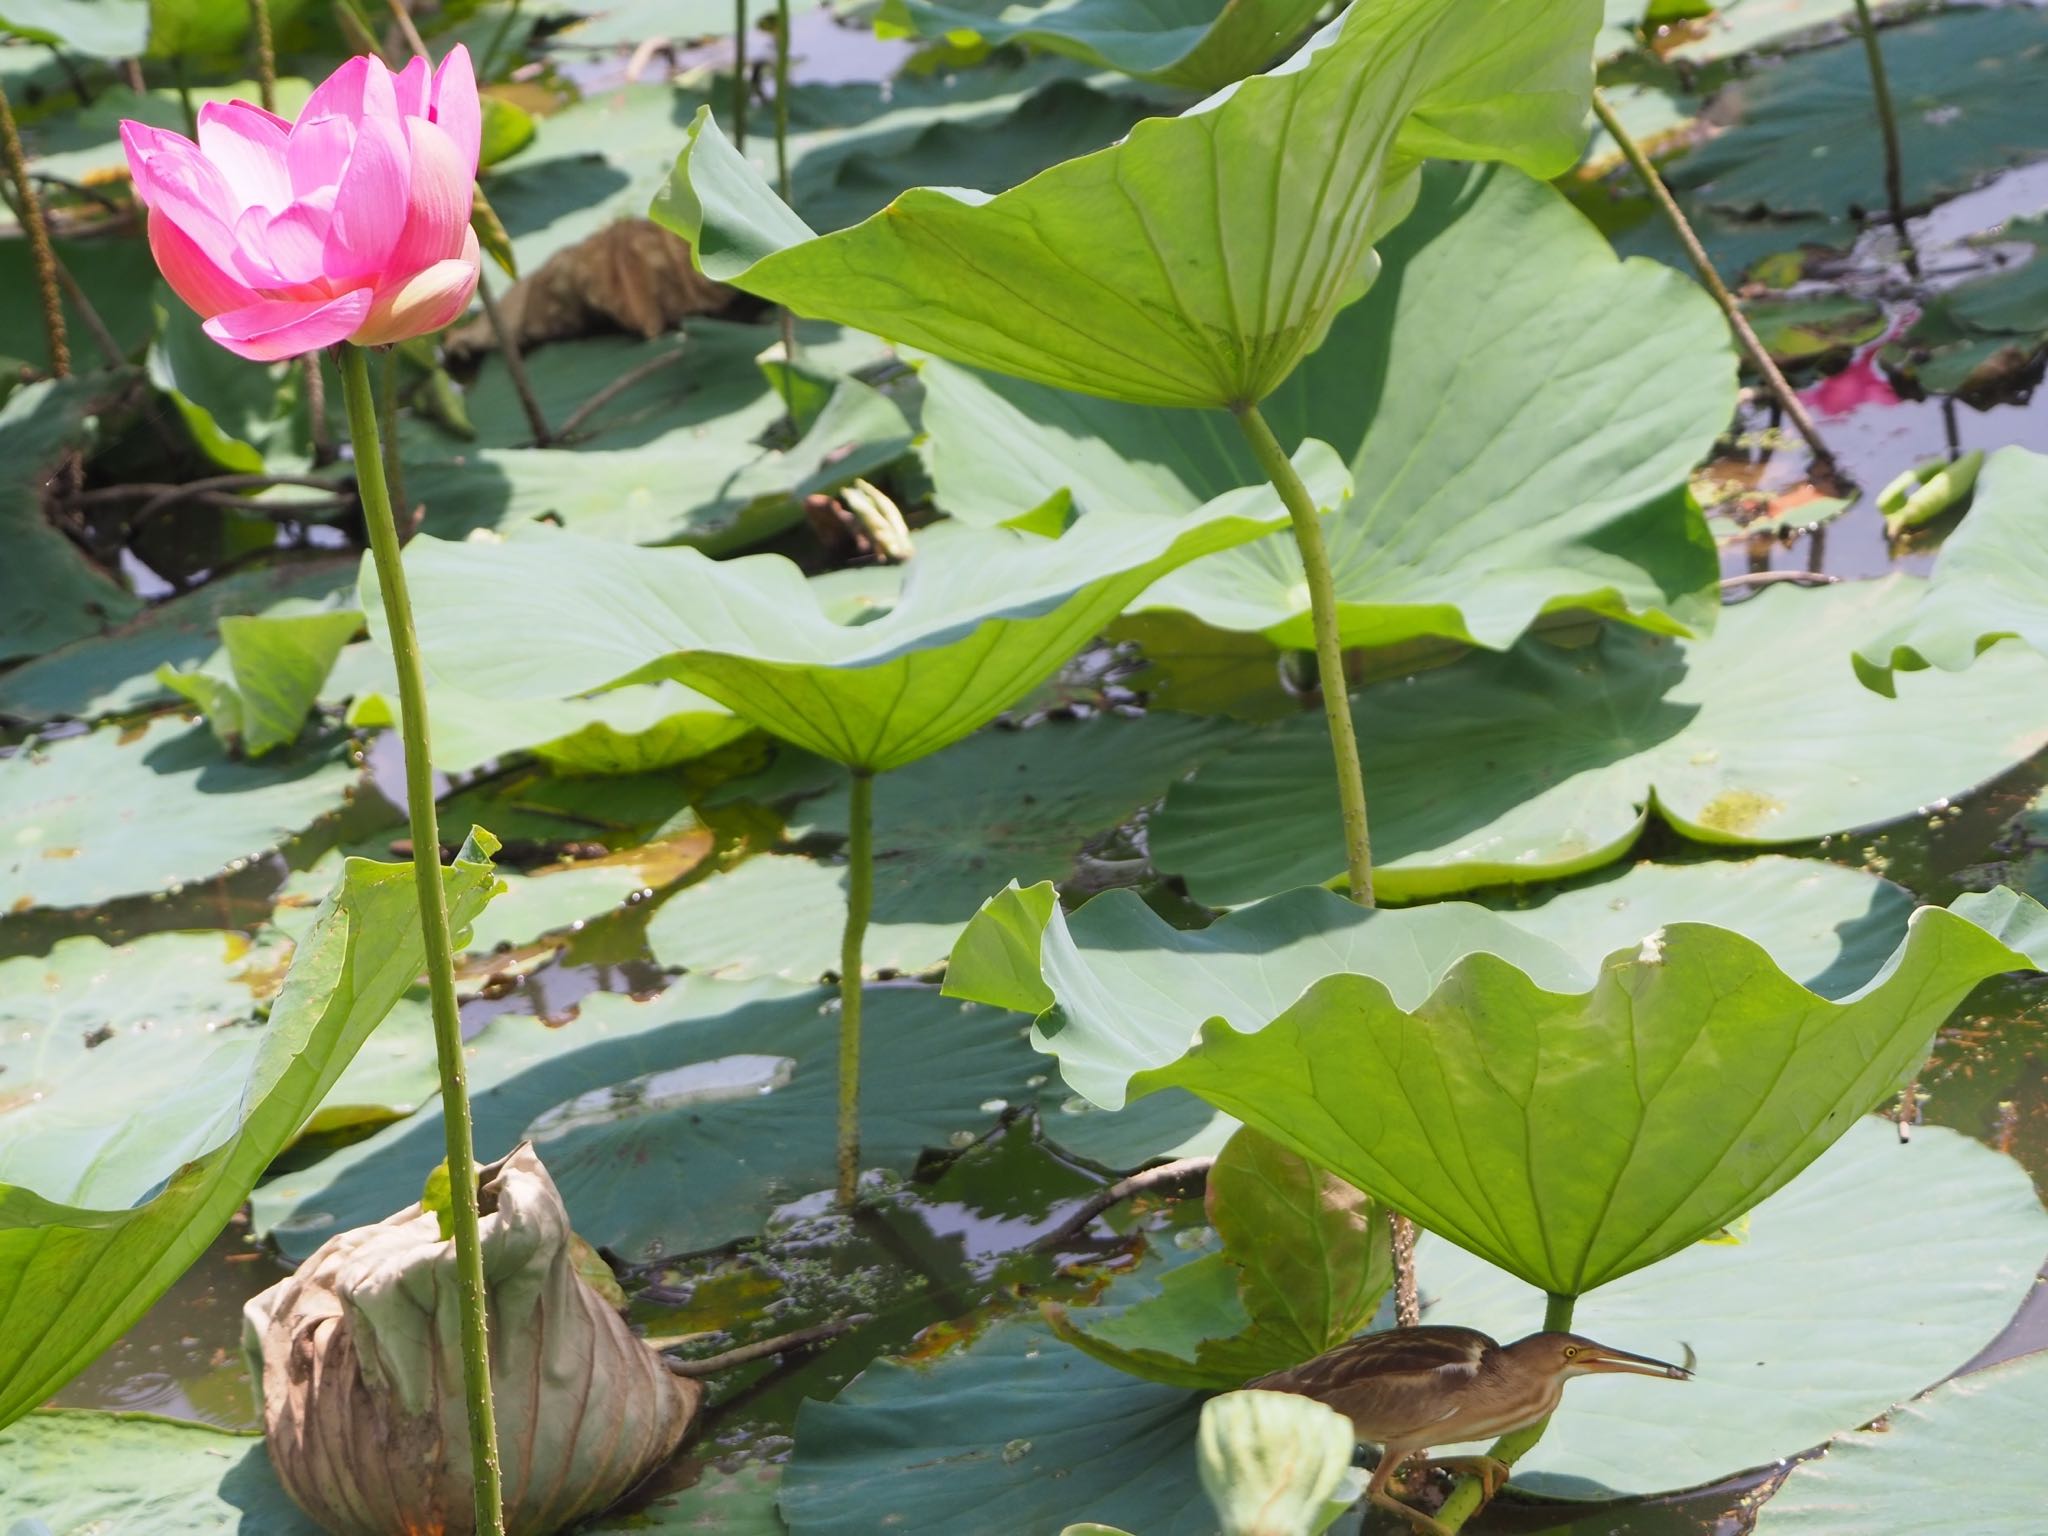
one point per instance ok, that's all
(1424, 1523)
(1491, 1471)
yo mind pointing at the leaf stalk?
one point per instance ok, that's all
(860, 884)
(1470, 1493)
(440, 949)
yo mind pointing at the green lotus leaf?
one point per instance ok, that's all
(1467, 521)
(116, 673)
(1194, 44)
(1551, 759)
(1773, 1308)
(69, 811)
(1807, 137)
(1892, 1478)
(727, 1085)
(1356, 1038)
(1304, 1265)
(985, 616)
(1986, 334)
(1017, 804)
(49, 592)
(248, 420)
(275, 667)
(104, 1206)
(1990, 583)
(1197, 261)
(1744, 26)
(101, 29)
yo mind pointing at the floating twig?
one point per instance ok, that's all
(761, 1349)
(1185, 1170)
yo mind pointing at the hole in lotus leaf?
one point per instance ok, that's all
(703, 1082)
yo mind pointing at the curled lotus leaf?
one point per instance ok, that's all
(1566, 1121)
(1198, 260)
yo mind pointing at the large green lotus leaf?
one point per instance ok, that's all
(1016, 1421)
(1197, 44)
(128, 812)
(679, 1124)
(1520, 412)
(1356, 1038)
(67, 1472)
(985, 616)
(115, 673)
(100, 29)
(245, 418)
(49, 592)
(1798, 1335)
(1990, 582)
(677, 457)
(1197, 261)
(1550, 759)
(1001, 805)
(1900, 1477)
(86, 1248)
(1808, 138)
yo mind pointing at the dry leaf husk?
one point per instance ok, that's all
(361, 1374)
(631, 276)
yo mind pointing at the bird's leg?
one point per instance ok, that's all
(1376, 1491)
(1491, 1471)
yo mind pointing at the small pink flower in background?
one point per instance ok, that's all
(351, 224)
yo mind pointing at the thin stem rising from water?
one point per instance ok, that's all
(40, 250)
(860, 884)
(1511, 1447)
(426, 842)
(1888, 123)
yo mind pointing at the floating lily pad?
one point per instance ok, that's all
(1550, 759)
(1125, 321)
(115, 673)
(1189, 43)
(104, 1207)
(947, 830)
(1805, 331)
(1990, 583)
(100, 29)
(1744, 26)
(727, 1087)
(1498, 307)
(72, 811)
(985, 616)
(1015, 1421)
(1900, 1477)
(1353, 1038)
(49, 592)
(1776, 1309)
(1807, 138)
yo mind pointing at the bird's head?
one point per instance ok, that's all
(1571, 1354)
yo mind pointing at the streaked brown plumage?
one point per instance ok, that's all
(1413, 1387)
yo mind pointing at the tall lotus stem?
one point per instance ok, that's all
(782, 186)
(739, 75)
(1470, 1493)
(1322, 603)
(860, 886)
(40, 251)
(1888, 123)
(266, 54)
(375, 496)
(1738, 323)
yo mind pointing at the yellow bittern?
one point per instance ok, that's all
(1413, 1387)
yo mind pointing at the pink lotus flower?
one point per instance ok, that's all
(351, 224)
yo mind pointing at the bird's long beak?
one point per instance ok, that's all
(1605, 1361)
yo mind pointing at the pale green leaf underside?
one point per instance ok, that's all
(1798, 1335)
(1196, 44)
(984, 617)
(1990, 582)
(1547, 760)
(1197, 261)
(1519, 409)
(80, 1264)
(1566, 1121)
(1901, 1478)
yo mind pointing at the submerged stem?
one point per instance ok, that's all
(1511, 1447)
(1322, 601)
(426, 842)
(1745, 337)
(860, 882)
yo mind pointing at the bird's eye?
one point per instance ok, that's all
(1570, 1350)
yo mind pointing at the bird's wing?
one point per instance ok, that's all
(1392, 1385)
